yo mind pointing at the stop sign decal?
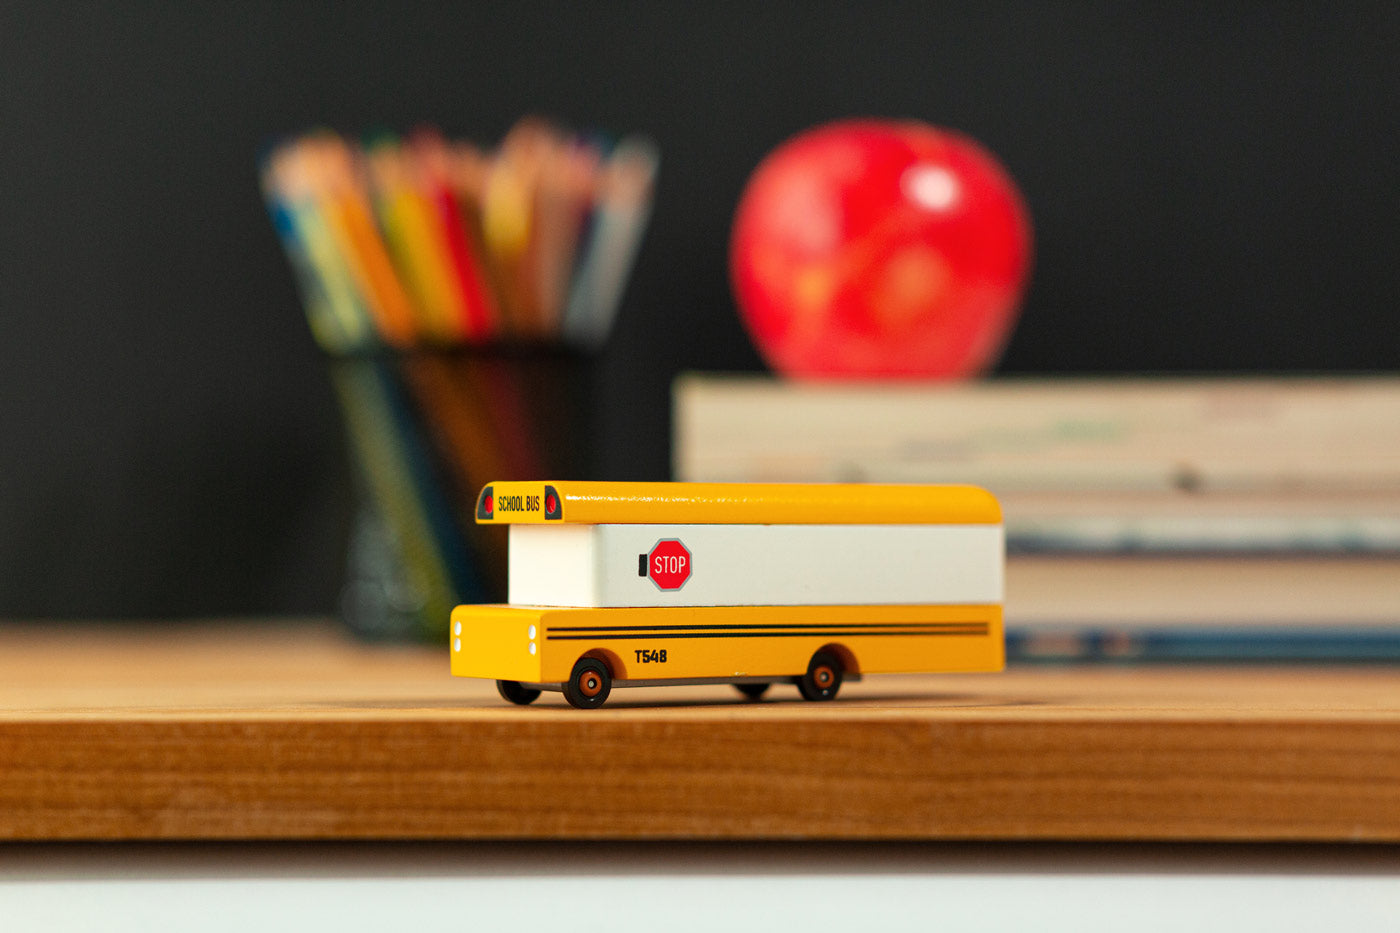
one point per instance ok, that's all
(668, 564)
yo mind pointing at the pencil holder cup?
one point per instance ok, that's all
(458, 294)
(426, 430)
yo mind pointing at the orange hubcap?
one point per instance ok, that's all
(590, 684)
(823, 676)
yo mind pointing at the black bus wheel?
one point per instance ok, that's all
(513, 692)
(752, 691)
(589, 684)
(823, 677)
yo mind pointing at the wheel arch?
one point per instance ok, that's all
(846, 656)
(617, 670)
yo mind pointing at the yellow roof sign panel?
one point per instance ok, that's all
(603, 503)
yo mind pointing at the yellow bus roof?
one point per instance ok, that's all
(589, 503)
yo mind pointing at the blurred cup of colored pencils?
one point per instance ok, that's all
(459, 293)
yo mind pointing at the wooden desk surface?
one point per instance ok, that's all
(262, 731)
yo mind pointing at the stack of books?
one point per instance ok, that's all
(1145, 518)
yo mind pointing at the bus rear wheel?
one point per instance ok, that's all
(823, 677)
(589, 684)
(514, 692)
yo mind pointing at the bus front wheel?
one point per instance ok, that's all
(589, 684)
(823, 677)
(514, 692)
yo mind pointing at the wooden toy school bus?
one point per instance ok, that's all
(642, 584)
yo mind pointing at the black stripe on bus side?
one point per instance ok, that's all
(739, 626)
(644, 636)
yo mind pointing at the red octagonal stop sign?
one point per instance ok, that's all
(668, 564)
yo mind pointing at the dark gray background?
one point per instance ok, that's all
(1215, 187)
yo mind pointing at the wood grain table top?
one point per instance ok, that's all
(289, 730)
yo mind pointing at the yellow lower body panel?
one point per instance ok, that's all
(541, 644)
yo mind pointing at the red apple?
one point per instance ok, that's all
(880, 248)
